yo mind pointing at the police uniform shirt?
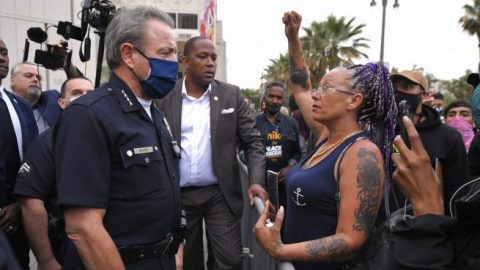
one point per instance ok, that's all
(36, 177)
(110, 155)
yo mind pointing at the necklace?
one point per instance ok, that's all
(330, 147)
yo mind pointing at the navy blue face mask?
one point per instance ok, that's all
(161, 79)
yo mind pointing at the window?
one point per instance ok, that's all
(187, 21)
(174, 18)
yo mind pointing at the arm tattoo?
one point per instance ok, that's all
(368, 181)
(297, 75)
(332, 249)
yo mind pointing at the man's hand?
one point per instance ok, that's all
(268, 235)
(179, 258)
(292, 21)
(427, 99)
(415, 176)
(61, 48)
(256, 190)
(282, 173)
(10, 218)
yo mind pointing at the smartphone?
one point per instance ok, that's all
(403, 111)
(272, 190)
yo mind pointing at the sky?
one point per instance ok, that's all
(421, 33)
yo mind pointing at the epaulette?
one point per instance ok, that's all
(94, 96)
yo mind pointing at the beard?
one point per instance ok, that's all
(273, 109)
(34, 92)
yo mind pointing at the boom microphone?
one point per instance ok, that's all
(37, 34)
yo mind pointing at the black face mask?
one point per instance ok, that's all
(412, 100)
(272, 109)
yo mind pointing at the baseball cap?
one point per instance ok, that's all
(414, 76)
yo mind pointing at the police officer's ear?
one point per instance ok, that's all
(126, 52)
(63, 103)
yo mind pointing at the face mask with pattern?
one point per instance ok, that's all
(465, 128)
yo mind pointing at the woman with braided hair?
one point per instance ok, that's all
(334, 195)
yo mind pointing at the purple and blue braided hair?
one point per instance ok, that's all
(378, 111)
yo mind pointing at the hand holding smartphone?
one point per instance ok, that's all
(272, 190)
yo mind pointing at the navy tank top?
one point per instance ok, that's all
(311, 203)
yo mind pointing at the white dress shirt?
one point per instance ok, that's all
(196, 164)
(146, 104)
(15, 120)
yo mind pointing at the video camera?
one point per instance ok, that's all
(96, 13)
(54, 57)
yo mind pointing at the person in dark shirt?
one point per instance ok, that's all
(432, 240)
(442, 142)
(115, 158)
(334, 195)
(36, 186)
(280, 136)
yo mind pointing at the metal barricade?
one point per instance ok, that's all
(255, 257)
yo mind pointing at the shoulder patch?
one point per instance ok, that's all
(24, 169)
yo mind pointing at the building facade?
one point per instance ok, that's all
(17, 16)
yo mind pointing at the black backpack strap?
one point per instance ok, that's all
(336, 173)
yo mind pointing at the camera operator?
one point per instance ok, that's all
(441, 141)
(432, 240)
(25, 81)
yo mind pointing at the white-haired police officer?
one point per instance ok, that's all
(117, 164)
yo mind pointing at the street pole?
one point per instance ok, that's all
(382, 42)
(384, 17)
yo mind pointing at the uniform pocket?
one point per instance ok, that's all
(139, 177)
(139, 156)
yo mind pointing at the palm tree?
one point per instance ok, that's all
(278, 70)
(471, 20)
(326, 45)
(332, 43)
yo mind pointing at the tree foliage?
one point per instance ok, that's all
(254, 96)
(327, 44)
(456, 88)
(470, 21)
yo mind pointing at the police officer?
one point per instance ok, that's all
(117, 164)
(36, 186)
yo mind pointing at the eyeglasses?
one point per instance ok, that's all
(327, 89)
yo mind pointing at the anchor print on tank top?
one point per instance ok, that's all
(297, 197)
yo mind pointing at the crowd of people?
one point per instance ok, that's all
(131, 175)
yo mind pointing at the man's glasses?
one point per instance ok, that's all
(327, 89)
